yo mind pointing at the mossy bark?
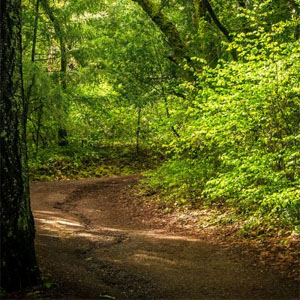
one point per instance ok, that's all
(167, 28)
(18, 262)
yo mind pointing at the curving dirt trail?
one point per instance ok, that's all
(99, 246)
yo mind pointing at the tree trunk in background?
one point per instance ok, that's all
(168, 29)
(59, 34)
(18, 262)
(295, 13)
(208, 47)
(138, 130)
(62, 132)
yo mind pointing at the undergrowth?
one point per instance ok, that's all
(240, 144)
(73, 162)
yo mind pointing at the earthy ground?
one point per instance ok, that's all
(99, 242)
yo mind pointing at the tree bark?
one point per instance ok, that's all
(168, 29)
(35, 28)
(209, 47)
(59, 34)
(18, 263)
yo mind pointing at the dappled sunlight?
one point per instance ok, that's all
(69, 223)
(153, 234)
(45, 212)
(148, 258)
(164, 236)
(50, 221)
(56, 224)
(102, 238)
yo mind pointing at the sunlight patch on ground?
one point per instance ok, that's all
(57, 225)
(153, 234)
(103, 238)
(44, 212)
(164, 236)
(69, 223)
(58, 221)
(70, 227)
(147, 258)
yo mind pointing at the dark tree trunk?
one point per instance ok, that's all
(18, 262)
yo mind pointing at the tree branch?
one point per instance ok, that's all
(220, 26)
(167, 28)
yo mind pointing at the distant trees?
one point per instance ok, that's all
(18, 262)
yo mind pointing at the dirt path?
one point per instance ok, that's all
(97, 246)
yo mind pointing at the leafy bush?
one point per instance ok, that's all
(241, 141)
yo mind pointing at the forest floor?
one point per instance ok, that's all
(99, 240)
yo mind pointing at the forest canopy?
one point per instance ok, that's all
(204, 93)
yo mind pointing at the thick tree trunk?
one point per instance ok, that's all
(18, 262)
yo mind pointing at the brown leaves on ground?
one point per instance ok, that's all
(275, 250)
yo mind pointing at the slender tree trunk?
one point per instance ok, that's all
(62, 132)
(295, 13)
(40, 109)
(138, 130)
(36, 20)
(168, 116)
(59, 34)
(163, 90)
(18, 262)
(38, 130)
(209, 47)
(35, 27)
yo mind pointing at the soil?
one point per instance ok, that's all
(100, 241)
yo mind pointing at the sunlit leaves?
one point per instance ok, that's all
(241, 136)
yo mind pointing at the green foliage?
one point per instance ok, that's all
(76, 161)
(241, 140)
(48, 284)
(223, 131)
(3, 293)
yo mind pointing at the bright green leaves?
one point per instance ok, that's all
(240, 141)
